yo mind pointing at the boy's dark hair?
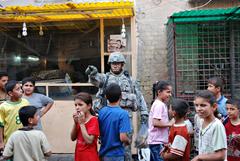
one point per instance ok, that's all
(25, 113)
(28, 79)
(180, 106)
(10, 85)
(3, 74)
(208, 95)
(113, 92)
(234, 102)
(217, 82)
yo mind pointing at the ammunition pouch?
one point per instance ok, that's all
(129, 100)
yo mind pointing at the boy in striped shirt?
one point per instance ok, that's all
(179, 138)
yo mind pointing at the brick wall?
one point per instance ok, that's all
(151, 17)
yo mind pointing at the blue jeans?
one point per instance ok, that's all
(121, 158)
(155, 152)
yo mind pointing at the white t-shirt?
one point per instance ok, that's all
(212, 138)
(197, 125)
(27, 146)
(189, 126)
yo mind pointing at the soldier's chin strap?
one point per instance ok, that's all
(116, 73)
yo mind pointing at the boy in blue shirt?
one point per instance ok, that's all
(114, 125)
(215, 85)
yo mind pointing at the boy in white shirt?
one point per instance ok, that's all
(212, 136)
(27, 144)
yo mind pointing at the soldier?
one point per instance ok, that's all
(132, 98)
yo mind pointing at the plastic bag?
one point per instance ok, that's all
(144, 154)
(141, 141)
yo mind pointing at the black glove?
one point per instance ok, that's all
(144, 119)
(91, 70)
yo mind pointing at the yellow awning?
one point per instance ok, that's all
(67, 12)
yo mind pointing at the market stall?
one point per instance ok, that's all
(55, 43)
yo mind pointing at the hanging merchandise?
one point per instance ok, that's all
(41, 30)
(123, 31)
(24, 29)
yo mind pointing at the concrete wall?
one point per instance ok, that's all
(151, 17)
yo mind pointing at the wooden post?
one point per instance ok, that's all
(133, 48)
(102, 44)
(134, 75)
(47, 90)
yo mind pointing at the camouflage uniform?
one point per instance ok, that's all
(132, 98)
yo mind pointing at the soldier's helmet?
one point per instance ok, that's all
(116, 57)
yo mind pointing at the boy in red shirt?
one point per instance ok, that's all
(233, 130)
(179, 138)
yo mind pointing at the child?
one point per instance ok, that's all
(159, 121)
(179, 137)
(233, 130)
(41, 102)
(85, 129)
(27, 144)
(215, 85)
(114, 125)
(9, 119)
(212, 138)
(3, 81)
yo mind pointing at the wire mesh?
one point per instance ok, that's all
(236, 61)
(198, 51)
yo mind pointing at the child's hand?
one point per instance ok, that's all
(81, 118)
(164, 150)
(172, 121)
(162, 153)
(75, 117)
(167, 146)
(196, 158)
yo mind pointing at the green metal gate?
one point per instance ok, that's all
(203, 44)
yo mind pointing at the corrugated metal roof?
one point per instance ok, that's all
(5, 3)
(67, 11)
(206, 15)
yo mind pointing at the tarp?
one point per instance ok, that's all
(206, 15)
(67, 11)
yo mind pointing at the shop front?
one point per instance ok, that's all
(55, 43)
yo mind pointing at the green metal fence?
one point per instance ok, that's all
(200, 50)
